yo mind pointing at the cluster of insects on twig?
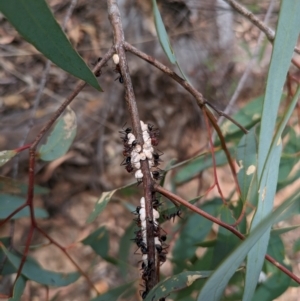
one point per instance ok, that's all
(141, 241)
(134, 152)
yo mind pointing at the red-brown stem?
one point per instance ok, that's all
(63, 249)
(115, 20)
(20, 149)
(211, 118)
(12, 214)
(213, 156)
(240, 218)
(233, 230)
(25, 253)
(220, 113)
(70, 98)
(32, 154)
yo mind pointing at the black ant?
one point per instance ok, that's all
(157, 174)
(161, 248)
(137, 211)
(173, 215)
(98, 73)
(143, 248)
(120, 77)
(156, 203)
(162, 257)
(144, 294)
(138, 221)
(154, 133)
(126, 131)
(128, 165)
(156, 159)
(163, 237)
(127, 147)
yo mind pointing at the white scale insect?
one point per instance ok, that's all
(139, 154)
(142, 214)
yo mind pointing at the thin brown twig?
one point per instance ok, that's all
(197, 95)
(119, 42)
(70, 98)
(270, 33)
(225, 115)
(32, 157)
(201, 101)
(245, 74)
(232, 229)
(213, 156)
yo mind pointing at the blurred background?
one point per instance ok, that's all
(213, 45)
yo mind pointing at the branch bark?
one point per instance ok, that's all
(119, 42)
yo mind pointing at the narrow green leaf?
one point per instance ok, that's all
(9, 185)
(194, 167)
(274, 286)
(226, 241)
(99, 241)
(9, 203)
(285, 40)
(124, 248)
(277, 282)
(36, 23)
(194, 231)
(33, 271)
(266, 194)
(175, 283)
(101, 204)
(18, 289)
(206, 243)
(280, 231)
(247, 161)
(162, 34)
(217, 282)
(247, 116)
(60, 138)
(296, 247)
(289, 180)
(6, 155)
(269, 148)
(290, 155)
(115, 293)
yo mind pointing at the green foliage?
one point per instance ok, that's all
(9, 203)
(199, 250)
(61, 137)
(6, 155)
(33, 271)
(35, 22)
(177, 282)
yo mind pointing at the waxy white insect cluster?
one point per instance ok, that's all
(142, 217)
(135, 152)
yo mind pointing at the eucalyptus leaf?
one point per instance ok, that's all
(101, 204)
(175, 283)
(33, 271)
(6, 155)
(9, 203)
(36, 23)
(12, 186)
(60, 138)
(114, 294)
(217, 282)
(162, 34)
(99, 241)
(18, 289)
(269, 147)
